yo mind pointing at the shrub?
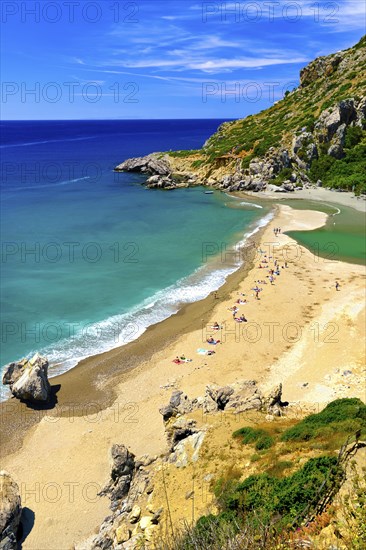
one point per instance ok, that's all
(261, 438)
(341, 416)
(320, 167)
(353, 136)
(184, 154)
(285, 174)
(288, 499)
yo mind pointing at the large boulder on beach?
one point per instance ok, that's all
(10, 511)
(28, 379)
(13, 371)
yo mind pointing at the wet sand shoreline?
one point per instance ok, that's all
(91, 385)
(74, 447)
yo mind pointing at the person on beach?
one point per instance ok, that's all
(243, 319)
(337, 285)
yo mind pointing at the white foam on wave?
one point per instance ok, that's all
(119, 330)
(251, 204)
(233, 196)
(30, 143)
(60, 183)
(244, 203)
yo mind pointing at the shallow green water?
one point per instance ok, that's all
(342, 238)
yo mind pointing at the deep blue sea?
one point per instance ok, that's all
(91, 258)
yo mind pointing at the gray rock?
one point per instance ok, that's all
(122, 472)
(338, 141)
(167, 412)
(10, 511)
(301, 141)
(179, 404)
(150, 164)
(28, 380)
(311, 152)
(179, 429)
(13, 371)
(272, 188)
(246, 396)
(187, 450)
(272, 403)
(361, 111)
(221, 396)
(122, 461)
(347, 111)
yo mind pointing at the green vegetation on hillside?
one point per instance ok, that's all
(287, 499)
(341, 417)
(264, 510)
(327, 81)
(348, 173)
(261, 438)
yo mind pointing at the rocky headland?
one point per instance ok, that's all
(311, 138)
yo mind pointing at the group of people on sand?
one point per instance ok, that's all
(273, 267)
(181, 359)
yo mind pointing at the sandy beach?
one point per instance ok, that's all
(301, 332)
(319, 194)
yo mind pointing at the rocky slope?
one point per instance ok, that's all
(151, 497)
(139, 511)
(316, 131)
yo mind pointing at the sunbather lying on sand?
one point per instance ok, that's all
(181, 359)
(212, 341)
(241, 319)
(184, 359)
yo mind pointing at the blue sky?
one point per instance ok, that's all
(163, 58)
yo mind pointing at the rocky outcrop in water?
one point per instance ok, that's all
(28, 379)
(10, 511)
(152, 164)
(275, 149)
(329, 134)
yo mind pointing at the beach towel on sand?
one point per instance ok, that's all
(202, 351)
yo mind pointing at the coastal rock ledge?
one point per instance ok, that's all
(10, 511)
(28, 379)
(281, 168)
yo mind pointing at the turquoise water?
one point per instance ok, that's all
(89, 263)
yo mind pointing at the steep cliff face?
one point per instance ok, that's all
(315, 135)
